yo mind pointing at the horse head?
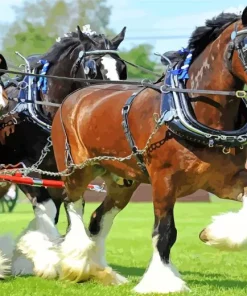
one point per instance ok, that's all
(99, 56)
(236, 54)
(219, 62)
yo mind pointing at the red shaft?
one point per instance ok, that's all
(19, 179)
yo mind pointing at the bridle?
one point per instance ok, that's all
(238, 43)
(90, 65)
(90, 68)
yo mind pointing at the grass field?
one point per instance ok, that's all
(206, 270)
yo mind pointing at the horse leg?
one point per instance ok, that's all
(6, 253)
(4, 266)
(35, 252)
(102, 219)
(76, 264)
(161, 276)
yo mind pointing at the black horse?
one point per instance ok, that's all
(75, 55)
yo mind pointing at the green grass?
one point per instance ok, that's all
(206, 270)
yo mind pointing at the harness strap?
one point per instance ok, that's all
(125, 123)
(68, 159)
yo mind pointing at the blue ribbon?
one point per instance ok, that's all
(185, 68)
(183, 50)
(183, 71)
(42, 82)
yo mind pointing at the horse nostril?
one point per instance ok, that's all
(203, 236)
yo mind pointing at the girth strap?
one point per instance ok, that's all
(125, 123)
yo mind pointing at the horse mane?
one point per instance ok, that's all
(204, 35)
(65, 45)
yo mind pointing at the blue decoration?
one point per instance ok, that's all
(183, 50)
(42, 82)
(183, 71)
(185, 68)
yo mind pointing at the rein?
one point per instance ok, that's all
(144, 82)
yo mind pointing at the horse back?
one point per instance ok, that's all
(91, 119)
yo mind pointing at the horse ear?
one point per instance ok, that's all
(3, 63)
(84, 37)
(244, 17)
(119, 38)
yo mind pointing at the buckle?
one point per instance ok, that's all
(241, 94)
(125, 109)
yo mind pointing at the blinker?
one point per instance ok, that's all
(233, 35)
(81, 54)
(90, 68)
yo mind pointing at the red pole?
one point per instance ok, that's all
(19, 179)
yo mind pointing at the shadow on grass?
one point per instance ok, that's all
(207, 279)
(214, 280)
(10, 278)
(16, 212)
(128, 271)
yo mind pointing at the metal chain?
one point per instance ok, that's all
(71, 168)
(44, 152)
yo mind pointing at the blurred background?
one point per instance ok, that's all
(32, 26)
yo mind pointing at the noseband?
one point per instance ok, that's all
(239, 43)
(90, 68)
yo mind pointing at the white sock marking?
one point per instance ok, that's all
(36, 245)
(76, 248)
(105, 226)
(160, 277)
(45, 214)
(99, 253)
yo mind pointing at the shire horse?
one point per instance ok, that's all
(78, 55)
(188, 148)
(6, 246)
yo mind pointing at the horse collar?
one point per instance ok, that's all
(175, 113)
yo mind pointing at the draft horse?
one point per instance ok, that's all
(5, 242)
(76, 55)
(198, 137)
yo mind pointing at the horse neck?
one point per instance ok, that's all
(59, 89)
(209, 71)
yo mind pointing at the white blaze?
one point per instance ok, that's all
(110, 65)
(3, 102)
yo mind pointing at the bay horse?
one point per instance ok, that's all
(98, 60)
(187, 148)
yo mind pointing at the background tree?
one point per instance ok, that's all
(140, 55)
(37, 25)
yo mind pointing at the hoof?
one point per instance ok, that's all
(203, 236)
(162, 286)
(110, 277)
(75, 269)
(227, 232)
(161, 277)
(76, 264)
